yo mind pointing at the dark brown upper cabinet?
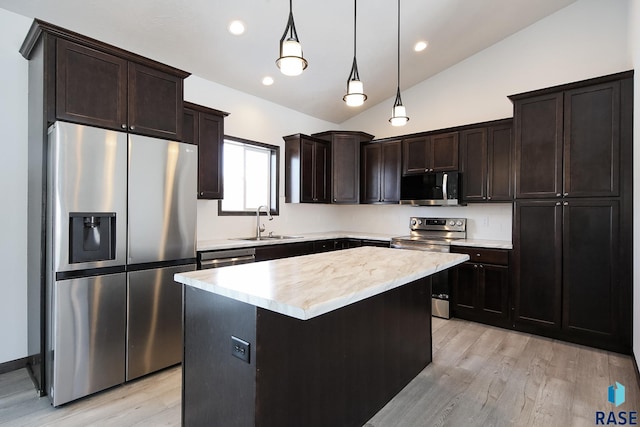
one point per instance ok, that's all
(568, 142)
(307, 169)
(93, 83)
(345, 164)
(204, 127)
(486, 162)
(430, 153)
(380, 171)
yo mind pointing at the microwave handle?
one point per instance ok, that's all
(444, 186)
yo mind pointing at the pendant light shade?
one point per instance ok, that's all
(355, 96)
(291, 62)
(399, 112)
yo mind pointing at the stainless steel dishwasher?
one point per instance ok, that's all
(223, 258)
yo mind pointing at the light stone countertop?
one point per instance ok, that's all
(233, 243)
(480, 243)
(311, 285)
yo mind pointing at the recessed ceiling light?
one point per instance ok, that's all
(420, 46)
(267, 81)
(236, 27)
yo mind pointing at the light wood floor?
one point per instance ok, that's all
(480, 376)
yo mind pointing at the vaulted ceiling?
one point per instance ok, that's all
(192, 35)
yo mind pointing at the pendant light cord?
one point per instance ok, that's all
(355, 13)
(398, 45)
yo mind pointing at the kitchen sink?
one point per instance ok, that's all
(272, 237)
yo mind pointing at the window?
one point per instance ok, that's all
(250, 177)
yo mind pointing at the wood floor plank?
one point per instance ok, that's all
(480, 376)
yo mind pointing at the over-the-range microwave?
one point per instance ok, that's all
(431, 189)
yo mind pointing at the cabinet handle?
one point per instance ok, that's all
(566, 194)
(558, 195)
(565, 203)
(481, 266)
(475, 265)
(489, 198)
(132, 128)
(426, 170)
(478, 255)
(557, 203)
(123, 126)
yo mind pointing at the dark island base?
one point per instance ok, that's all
(337, 369)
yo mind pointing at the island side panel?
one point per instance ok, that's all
(218, 389)
(344, 366)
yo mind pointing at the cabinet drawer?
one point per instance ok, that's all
(488, 256)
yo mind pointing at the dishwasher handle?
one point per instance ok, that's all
(223, 262)
(215, 259)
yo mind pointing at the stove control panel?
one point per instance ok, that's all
(438, 224)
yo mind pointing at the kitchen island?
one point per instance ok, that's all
(322, 339)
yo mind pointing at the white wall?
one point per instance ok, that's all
(13, 181)
(634, 35)
(586, 39)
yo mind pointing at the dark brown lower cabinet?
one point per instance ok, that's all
(568, 259)
(480, 287)
(269, 252)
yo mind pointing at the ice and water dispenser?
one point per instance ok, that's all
(92, 236)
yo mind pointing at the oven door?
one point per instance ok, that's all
(440, 287)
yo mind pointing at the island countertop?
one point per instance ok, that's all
(308, 286)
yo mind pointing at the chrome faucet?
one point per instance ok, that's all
(261, 228)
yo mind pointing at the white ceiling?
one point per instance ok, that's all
(192, 35)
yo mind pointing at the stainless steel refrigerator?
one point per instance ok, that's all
(121, 221)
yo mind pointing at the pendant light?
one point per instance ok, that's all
(291, 62)
(355, 96)
(399, 113)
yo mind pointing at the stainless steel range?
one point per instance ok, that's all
(434, 235)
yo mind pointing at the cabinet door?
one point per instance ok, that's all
(444, 152)
(371, 173)
(493, 291)
(307, 171)
(416, 152)
(500, 161)
(474, 164)
(345, 163)
(538, 263)
(465, 289)
(189, 126)
(210, 148)
(592, 141)
(538, 136)
(322, 173)
(155, 102)
(591, 256)
(91, 86)
(390, 177)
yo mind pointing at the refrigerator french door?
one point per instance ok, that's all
(162, 194)
(86, 260)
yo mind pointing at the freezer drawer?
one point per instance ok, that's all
(88, 336)
(154, 319)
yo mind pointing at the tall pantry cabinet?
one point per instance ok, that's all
(573, 212)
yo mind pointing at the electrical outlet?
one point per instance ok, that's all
(240, 349)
